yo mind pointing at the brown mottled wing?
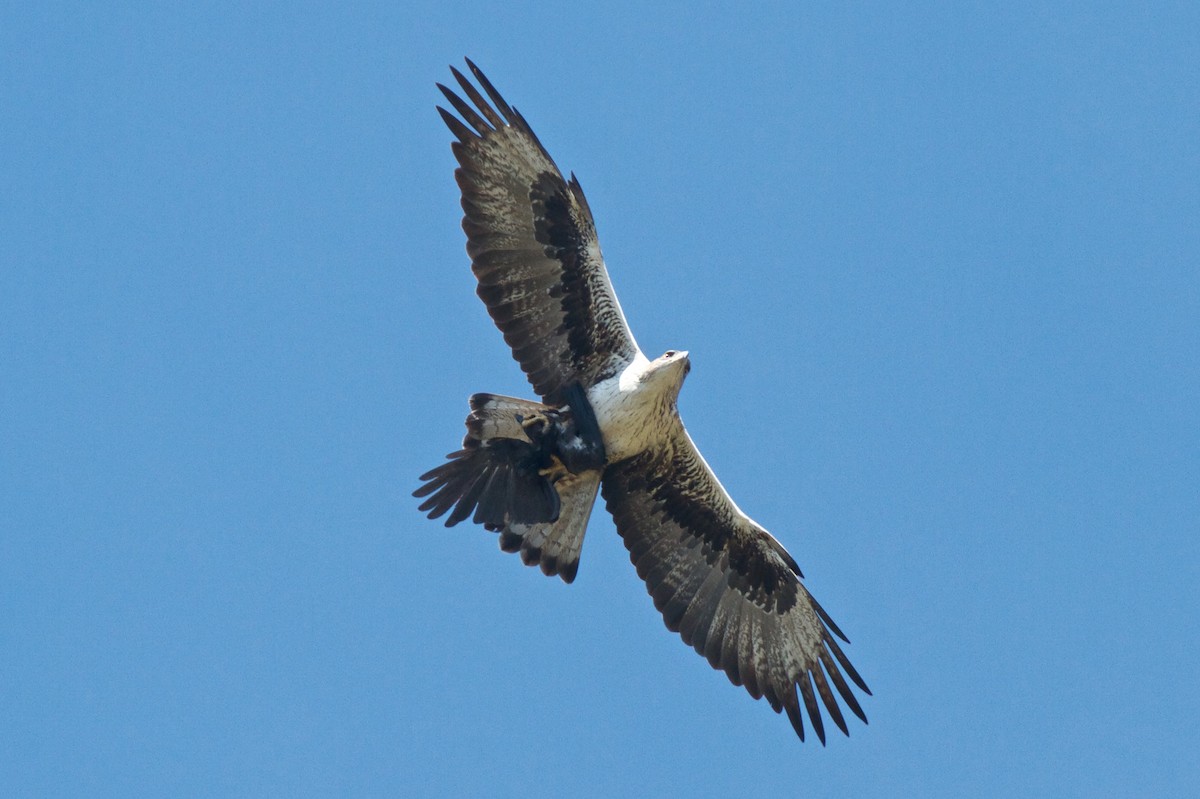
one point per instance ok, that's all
(727, 586)
(533, 247)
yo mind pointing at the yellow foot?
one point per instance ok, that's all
(555, 471)
(533, 424)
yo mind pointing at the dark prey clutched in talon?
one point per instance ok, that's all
(608, 422)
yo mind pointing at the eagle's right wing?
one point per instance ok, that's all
(727, 586)
(533, 248)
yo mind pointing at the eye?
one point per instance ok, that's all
(670, 354)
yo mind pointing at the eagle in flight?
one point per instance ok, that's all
(608, 422)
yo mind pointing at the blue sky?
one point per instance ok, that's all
(937, 267)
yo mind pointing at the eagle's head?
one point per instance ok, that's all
(668, 370)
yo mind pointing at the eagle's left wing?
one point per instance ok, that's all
(533, 248)
(727, 586)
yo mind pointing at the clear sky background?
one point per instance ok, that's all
(938, 266)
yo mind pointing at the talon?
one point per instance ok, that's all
(555, 471)
(530, 422)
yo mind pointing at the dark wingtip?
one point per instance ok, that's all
(810, 704)
(828, 621)
(501, 104)
(460, 131)
(495, 119)
(476, 71)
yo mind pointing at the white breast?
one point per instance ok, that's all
(632, 413)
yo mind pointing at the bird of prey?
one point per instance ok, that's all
(608, 421)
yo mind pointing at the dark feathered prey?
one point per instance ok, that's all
(608, 421)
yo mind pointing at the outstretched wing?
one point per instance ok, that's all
(533, 247)
(727, 586)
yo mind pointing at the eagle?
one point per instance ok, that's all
(608, 423)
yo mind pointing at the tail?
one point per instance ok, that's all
(556, 546)
(510, 478)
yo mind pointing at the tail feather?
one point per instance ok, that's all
(555, 547)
